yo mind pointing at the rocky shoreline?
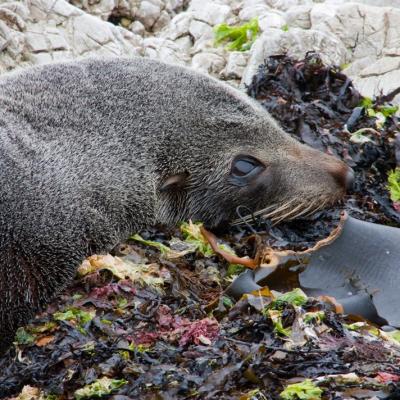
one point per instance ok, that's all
(362, 37)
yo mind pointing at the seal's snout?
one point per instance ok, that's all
(343, 175)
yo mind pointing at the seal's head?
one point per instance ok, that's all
(231, 153)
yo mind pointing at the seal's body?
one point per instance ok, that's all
(94, 150)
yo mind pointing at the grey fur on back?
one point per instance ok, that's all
(85, 147)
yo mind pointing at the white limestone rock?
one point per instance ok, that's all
(299, 17)
(208, 62)
(211, 12)
(272, 19)
(380, 3)
(54, 31)
(162, 21)
(360, 28)
(138, 28)
(179, 26)
(165, 50)
(235, 66)
(381, 76)
(198, 29)
(285, 5)
(185, 43)
(148, 13)
(253, 11)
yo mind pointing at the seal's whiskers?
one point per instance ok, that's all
(280, 209)
(310, 209)
(249, 217)
(289, 215)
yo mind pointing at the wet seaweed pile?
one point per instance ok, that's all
(148, 326)
(318, 105)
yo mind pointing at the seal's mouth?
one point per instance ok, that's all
(288, 210)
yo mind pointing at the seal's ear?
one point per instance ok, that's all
(174, 182)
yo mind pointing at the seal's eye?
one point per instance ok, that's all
(245, 167)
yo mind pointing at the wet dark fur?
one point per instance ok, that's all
(86, 146)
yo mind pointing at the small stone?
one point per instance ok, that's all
(208, 62)
(204, 340)
(198, 29)
(148, 13)
(250, 12)
(162, 21)
(273, 19)
(237, 61)
(254, 3)
(165, 50)
(179, 26)
(173, 5)
(209, 11)
(285, 5)
(185, 43)
(125, 22)
(137, 27)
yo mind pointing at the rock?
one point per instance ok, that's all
(273, 19)
(55, 31)
(137, 27)
(36, 41)
(254, 3)
(366, 30)
(185, 43)
(173, 5)
(296, 42)
(208, 62)
(48, 8)
(148, 13)
(371, 34)
(162, 21)
(235, 66)
(179, 26)
(56, 41)
(206, 44)
(381, 76)
(165, 50)
(356, 66)
(90, 29)
(197, 29)
(100, 8)
(381, 67)
(209, 11)
(299, 17)
(285, 5)
(253, 11)
(380, 3)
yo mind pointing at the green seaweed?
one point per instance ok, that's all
(240, 37)
(394, 184)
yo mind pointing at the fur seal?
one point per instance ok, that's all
(91, 151)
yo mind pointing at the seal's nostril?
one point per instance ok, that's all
(343, 175)
(349, 180)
